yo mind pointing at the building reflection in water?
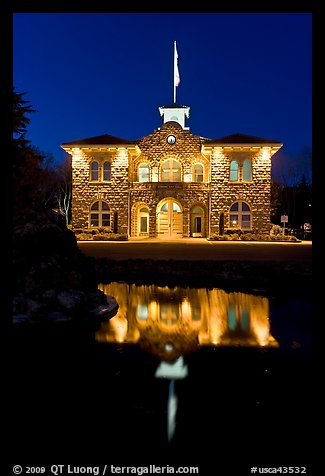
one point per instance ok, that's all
(170, 322)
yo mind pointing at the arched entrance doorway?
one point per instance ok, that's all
(140, 220)
(143, 221)
(169, 219)
(197, 222)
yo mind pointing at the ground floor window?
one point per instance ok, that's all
(100, 214)
(240, 215)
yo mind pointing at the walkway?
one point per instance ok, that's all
(198, 249)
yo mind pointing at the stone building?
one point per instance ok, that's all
(172, 183)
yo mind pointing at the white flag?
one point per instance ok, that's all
(177, 78)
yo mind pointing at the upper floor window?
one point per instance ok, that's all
(198, 173)
(100, 172)
(240, 215)
(106, 171)
(240, 172)
(171, 171)
(234, 171)
(247, 170)
(94, 171)
(143, 173)
(100, 215)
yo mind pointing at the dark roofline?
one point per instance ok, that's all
(239, 138)
(174, 106)
(104, 139)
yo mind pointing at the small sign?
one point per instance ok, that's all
(284, 218)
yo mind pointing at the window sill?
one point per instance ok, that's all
(96, 182)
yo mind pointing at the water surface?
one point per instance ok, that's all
(170, 322)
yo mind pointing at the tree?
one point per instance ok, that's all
(276, 193)
(292, 190)
(64, 192)
(20, 119)
(32, 180)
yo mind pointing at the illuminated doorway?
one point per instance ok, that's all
(143, 221)
(197, 222)
(169, 219)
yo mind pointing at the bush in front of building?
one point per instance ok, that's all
(110, 237)
(98, 234)
(276, 231)
(247, 236)
(234, 231)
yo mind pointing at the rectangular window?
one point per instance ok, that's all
(234, 171)
(176, 177)
(247, 171)
(233, 221)
(246, 221)
(198, 173)
(106, 219)
(143, 174)
(94, 221)
(247, 176)
(107, 175)
(94, 175)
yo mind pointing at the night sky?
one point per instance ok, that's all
(89, 74)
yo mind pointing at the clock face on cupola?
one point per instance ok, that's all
(171, 139)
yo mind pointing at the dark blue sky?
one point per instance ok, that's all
(89, 74)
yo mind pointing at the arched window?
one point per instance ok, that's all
(171, 171)
(106, 171)
(94, 171)
(198, 173)
(100, 215)
(234, 171)
(240, 215)
(247, 171)
(143, 173)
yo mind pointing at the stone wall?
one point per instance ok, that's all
(257, 193)
(114, 192)
(215, 194)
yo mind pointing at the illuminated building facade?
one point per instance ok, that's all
(172, 183)
(174, 322)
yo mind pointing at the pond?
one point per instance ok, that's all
(222, 378)
(180, 377)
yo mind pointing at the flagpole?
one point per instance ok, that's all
(175, 60)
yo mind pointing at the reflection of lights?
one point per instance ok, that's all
(153, 309)
(215, 340)
(186, 309)
(234, 222)
(178, 320)
(120, 328)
